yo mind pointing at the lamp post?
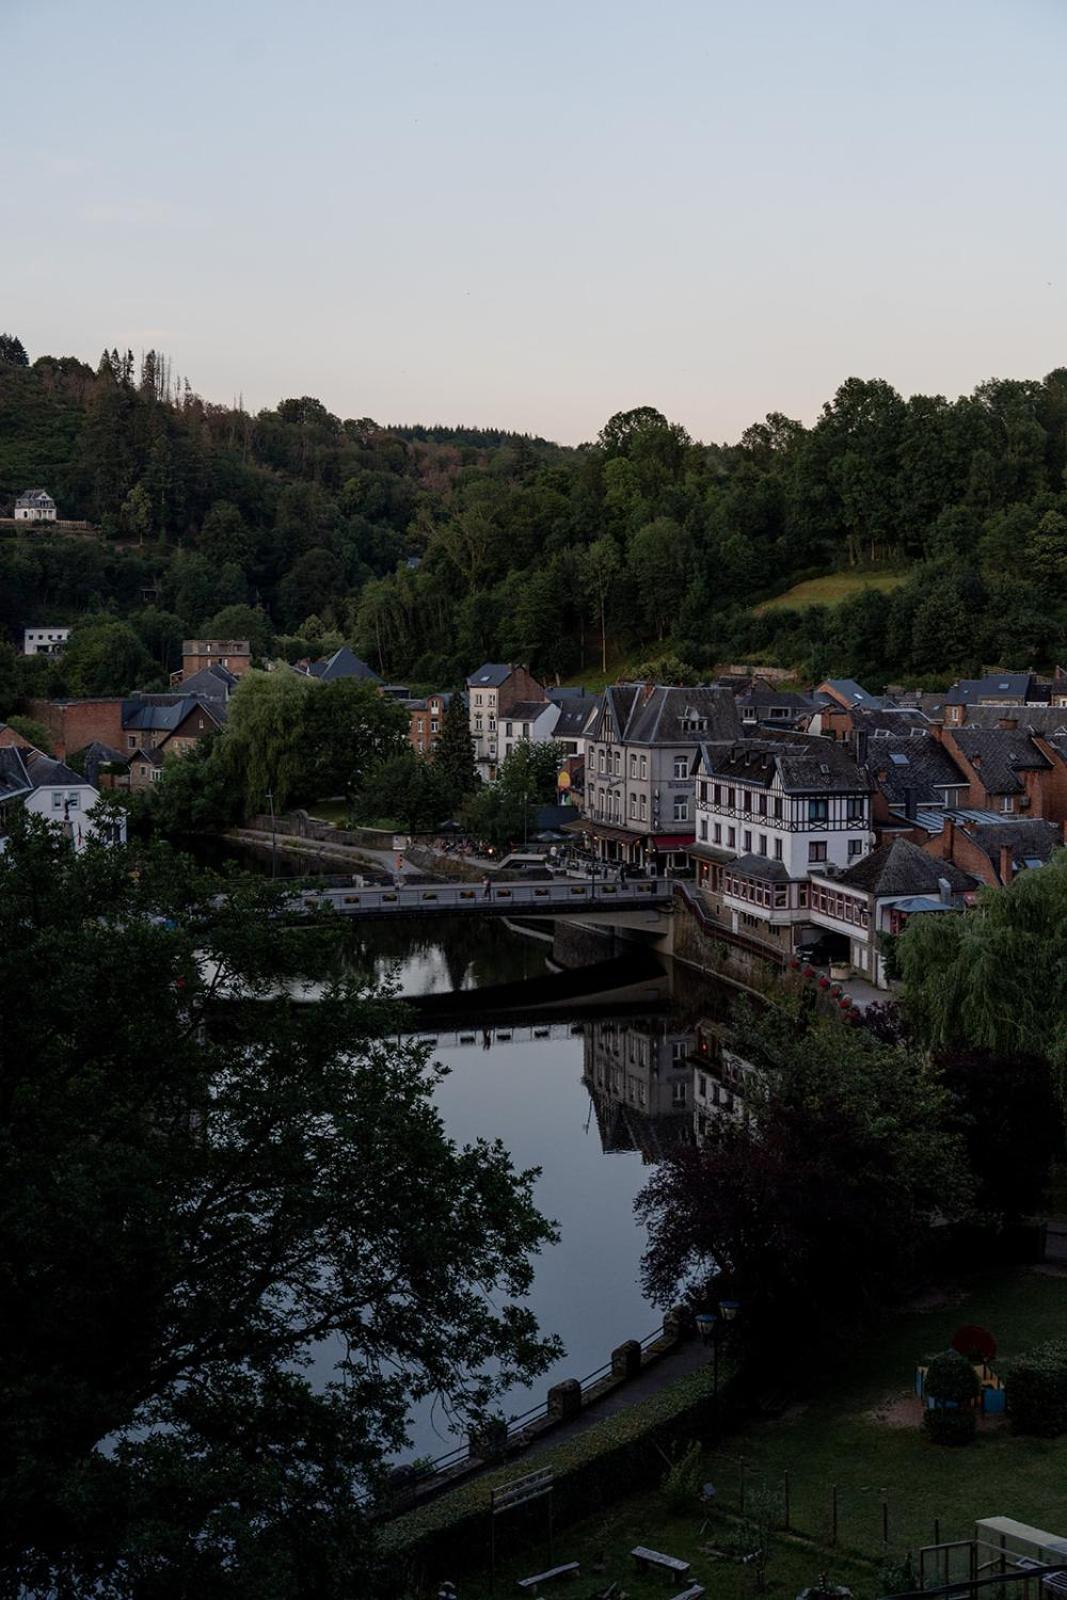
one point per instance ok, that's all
(712, 1329)
(273, 836)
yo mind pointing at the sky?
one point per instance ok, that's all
(533, 216)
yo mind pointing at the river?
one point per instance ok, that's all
(589, 1102)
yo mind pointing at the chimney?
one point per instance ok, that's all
(860, 746)
(909, 803)
(936, 731)
(1007, 865)
(944, 889)
(1009, 724)
(948, 835)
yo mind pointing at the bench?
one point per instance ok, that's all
(696, 1591)
(569, 1569)
(655, 1558)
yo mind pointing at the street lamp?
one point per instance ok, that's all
(273, 836)
(712, 1330)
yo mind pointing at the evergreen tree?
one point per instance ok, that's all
(454, 756)
(13, 351)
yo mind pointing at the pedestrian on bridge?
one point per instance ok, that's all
(486, 886)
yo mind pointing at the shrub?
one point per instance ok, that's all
(1036, 1386)
(682, 1481)
(953, 1384)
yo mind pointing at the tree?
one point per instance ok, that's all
(106, 658)
(34, 732)
(404, 788)
(832, 1179)
(454, 756)
(660, 559)
(201, 1189)
(262, 744)
(242, 622)
(347, 730)
(600, 571)
(13, 351)
(996, 979)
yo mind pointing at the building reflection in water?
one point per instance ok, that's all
(639, 1076)
(655, 1084)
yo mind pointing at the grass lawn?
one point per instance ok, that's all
(845, 1434)
(831, 590)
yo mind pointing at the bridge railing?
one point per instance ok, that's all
(559, 894)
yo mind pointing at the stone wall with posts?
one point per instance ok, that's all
(299, 825)
(567, 1400)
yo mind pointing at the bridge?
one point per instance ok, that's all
(560, 897)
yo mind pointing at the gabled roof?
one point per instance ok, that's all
(904, 768)
(902, 868)
(851, 692)
(45, 771)
(14, 778)
(1030, 840)
(526, 710)
(344, 663)
(997, 754)
(801, 763)
(665, 715)
(213, 683)
(575, 713)
(877, 720)
(1007, 688)
(490, 675)
(35, 497)
(756, 866)
(1039, 719)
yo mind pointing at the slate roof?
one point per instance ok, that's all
(214, 683)
(658, 716)
(1030, 840)
(160, 713)
(97, 755)
(997, 754)
(1007, 688)
(344, 663)
(525, 710)
(14, 779)
(901, 868)
(853, 693)
(45, 771)
(903, 767)
(35, 497)
(1040, 719)
(803, 764)
(755, 866)
(762, 696)
(880, 720)
(574, 715)
(490, 675)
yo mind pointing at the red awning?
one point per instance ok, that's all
(671, 841)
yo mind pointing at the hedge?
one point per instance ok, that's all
(1036, 1390)
(592, 1468)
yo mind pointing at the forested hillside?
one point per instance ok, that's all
(432, 548)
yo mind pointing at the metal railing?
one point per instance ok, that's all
(545, 897)
(519, 1426)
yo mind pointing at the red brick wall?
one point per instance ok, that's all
(522, 685)
(72, 724)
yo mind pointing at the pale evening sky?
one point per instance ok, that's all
(534, 216)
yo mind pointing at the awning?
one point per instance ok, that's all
(671, 841)
(601, 830)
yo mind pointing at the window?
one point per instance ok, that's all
(718, 833)
(703, 1086)
(633, 805)
(681, 766)
(704, 829)
(855, 847)
(1007, 802)
(681, 808)
(731, 838)
(763, 844)
(818, 811)
(730, 799)
(644, 766)
(746, 800)
(678, 1094)
(509, 729)
(703, 792)
(72, 800)
(633, 765)
(477, 724)
(602, 765)
(778, 807)
(644, 808)
(746, 840)
(477, 699)
(433, 727)
(817, 850)
(57, 800)
(778, 849)
(131, 741)
(781, 896)
(854, 807)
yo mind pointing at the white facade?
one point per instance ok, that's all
(514, 729)
(35, 505)
(69, 806)
(803, 831)
(44, 641)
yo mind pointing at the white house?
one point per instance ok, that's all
(50, 789)
(769, 812)
(35, 505)
(44, 641)
(492, 693)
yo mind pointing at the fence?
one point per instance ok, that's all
(563, 1402)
